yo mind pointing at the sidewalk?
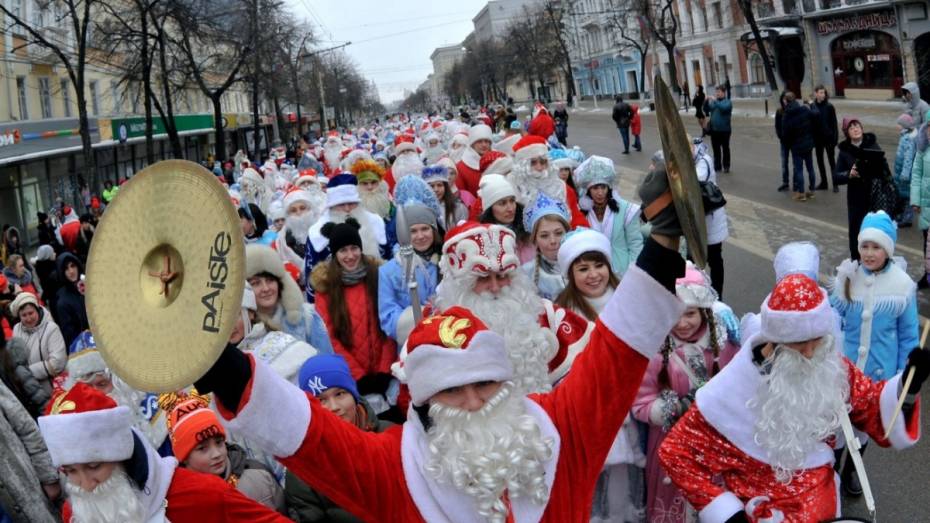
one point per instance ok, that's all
(871, 113)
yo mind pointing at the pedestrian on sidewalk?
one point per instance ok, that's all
(860, 162)
(698, 103)
(623, 117)
(782, 144)
(826, 135)
(920, 187)
(717, 225)
(903, 165)
(797, 131)
(914, 105)
(560, 115)
(720, 109)
(636, 127)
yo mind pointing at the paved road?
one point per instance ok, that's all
(761, 220)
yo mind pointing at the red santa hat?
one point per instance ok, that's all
(478, 249)
(495, 162)
(306, 175)
(796, 310)
(450, 350)
(84, 425)
(479, 132)
(294, 195)
(404, 143)
(530, 146)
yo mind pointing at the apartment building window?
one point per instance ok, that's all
(66, 97)
(45, 97)
(21, 93)
(17, 8)
(38, 16)
(114, 95)
(94, 98)
(718, 14)
(704, 16)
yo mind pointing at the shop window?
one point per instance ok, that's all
(867, 60)
(756, 69)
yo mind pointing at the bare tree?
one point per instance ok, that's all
(629, 35)
(745, 6)
(555, 16)
(72, 51)
(660, 18)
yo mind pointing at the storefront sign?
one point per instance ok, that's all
(857, 22)
(125, 128)
(859, 43)
(879, 57)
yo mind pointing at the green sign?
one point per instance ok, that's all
(125, 128)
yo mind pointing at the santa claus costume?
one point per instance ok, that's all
(406, 160)
(469, 167)
(554, 448)
(529, 180)
(332, 153)
(302, 209)
(542, 125)
(684, 366)
(85, 426)
(758, 441)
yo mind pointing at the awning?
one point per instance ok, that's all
(772, 32)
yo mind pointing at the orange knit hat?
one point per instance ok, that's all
(190, 422)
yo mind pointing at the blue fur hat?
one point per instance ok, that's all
(412, 190)
(879, 228)
(543, 206)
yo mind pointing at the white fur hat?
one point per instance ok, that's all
(797, 258)
(578, 242)
(493, 188)
(86, 426)
(261, 258)
(479, 132)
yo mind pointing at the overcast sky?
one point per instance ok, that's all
(391, 41)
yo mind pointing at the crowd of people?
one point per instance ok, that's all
(569, 364)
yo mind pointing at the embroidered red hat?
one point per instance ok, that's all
(530, 146)
(495, 162)
(450, 350)
(796, 310)
(477, 249)
(84, 425)
(404, 142)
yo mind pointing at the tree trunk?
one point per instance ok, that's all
(256, 128)
(147, 87)
(170, 128)
(673, 68)
(220, 137)
(87, 150)
(746, 7)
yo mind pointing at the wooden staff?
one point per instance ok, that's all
(907, 382)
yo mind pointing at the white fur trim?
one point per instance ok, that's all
(87, 437)
(797, 326)
(531, 151)
(85, 362)
(580, 242)
(277, 416)
(431, 369)
(405, 325)
(723, 403)
(884, 241)
(899, 437)
(471, 158)
(505, 145)
(641, 312)
(261, 258)
(721, 508)
(573, 350)
(479, 132)
(403, 147)
(342, 194)
(501, 166)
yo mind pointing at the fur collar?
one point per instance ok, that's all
(318, 274)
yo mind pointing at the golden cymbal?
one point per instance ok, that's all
(165, 276)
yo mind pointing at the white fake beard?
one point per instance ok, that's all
(433, 154)
(799, 405)
(456, 154)
(377, 201)
(483, 453)
(529, 182)
(406, 164)
(370, 244)
(332, 155)
(514, 314)
(115, 500)
(252, 192)
(300, 225)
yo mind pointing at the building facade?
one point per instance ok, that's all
(443, 58)
(601, 63)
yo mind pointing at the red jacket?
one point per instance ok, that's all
(69, 233)
(543, 125)
(203, 498)
(467, 178)
(372, 352)
(636, 124)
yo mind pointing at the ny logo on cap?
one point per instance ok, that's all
(316, 385)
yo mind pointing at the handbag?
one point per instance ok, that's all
(712, 196)
(883, 195)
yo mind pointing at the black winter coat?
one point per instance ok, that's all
(71, 315)
(797, 127)
(622, 114)
(870, 165)
(826, 131)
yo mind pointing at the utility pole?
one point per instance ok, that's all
(256, 66)
(319, 80)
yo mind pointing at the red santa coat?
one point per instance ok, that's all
(203, 498)
(714, 440)
(468, 171)
(359, 471)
